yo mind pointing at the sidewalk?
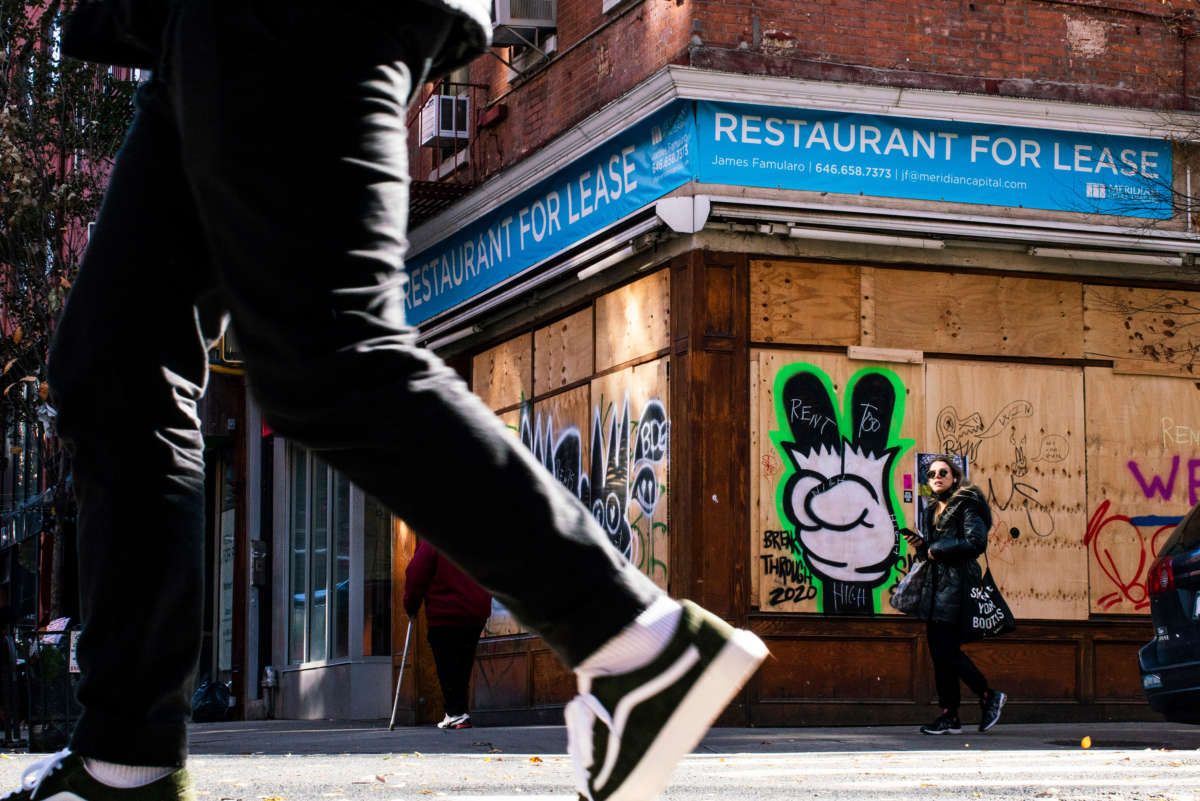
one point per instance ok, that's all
(373, 737)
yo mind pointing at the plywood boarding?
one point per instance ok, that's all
(1143, 449)
(977, 314)
(562, 352)
(502, 376)
(633, 321)
(785, 583)
(1151, 331)
(630, 471)
(502, 623)
(1021, 427)
(804, 303)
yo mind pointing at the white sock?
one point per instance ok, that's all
(124, 776)
(638, 643)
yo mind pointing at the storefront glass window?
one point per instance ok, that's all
(299, 537)
(320, 562)
(320, 536)
(341, 567)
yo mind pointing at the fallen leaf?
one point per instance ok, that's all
(535, 759)
(379, 778)
(1086, 742)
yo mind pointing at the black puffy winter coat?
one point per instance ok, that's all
(956, 539)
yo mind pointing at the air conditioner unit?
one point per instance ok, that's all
(518, 22)
(445, 122)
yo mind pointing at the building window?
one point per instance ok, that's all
(319, 536)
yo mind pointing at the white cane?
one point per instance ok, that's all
(400, 680)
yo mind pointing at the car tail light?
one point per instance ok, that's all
(1162, 576)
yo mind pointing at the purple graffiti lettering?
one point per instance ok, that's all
(1156, 484)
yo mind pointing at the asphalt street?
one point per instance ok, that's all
(290, 760)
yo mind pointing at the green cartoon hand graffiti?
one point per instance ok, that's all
(836, 491)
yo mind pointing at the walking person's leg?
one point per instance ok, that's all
(991, 701)
(305, 209)
(454, 655)
(297, 168)
(127, 367)
(942, 639)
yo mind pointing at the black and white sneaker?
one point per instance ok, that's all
(989, 709)
(462, 721)
(64, 777)
(626, 732)
(945, 724)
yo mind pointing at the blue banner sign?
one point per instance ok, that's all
(824, 151)
(955, 162)
(626, 173)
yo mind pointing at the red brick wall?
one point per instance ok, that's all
(1117, 52)
(1131, 53)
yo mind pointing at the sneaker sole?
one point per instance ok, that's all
(1003, 699)
(724, 677)
(943, 731)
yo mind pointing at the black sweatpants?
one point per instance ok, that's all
(265, 178)
(454, 654)
(951, 665)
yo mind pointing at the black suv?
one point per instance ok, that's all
(1170, 663)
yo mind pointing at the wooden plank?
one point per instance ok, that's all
(790, 582)
(1146, 331)
(1022, 430)
(1043, 669)
(553, 682)
(1148, 367)
(502, 376)
(800, 302)
(862, 354)
(562, 352)
(633, 321)
(629, 463)
(1117, 675)
(866, 307)
(755, 497)
(978, 314)
(1143, 440)
(859, 669)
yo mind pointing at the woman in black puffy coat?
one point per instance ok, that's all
(955, 526)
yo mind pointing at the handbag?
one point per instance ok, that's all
(984, 612)
(906, 597)
(125, 33)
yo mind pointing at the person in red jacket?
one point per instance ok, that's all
(455, 610)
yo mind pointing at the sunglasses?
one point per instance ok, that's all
(940, 473)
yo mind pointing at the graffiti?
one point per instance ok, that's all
(966, 435)
(610, 480)
(1111, 537)
(836, 488)
(1021, 498)
(1166, 488)
(612, 487)
(794, 580)
(1176, 434)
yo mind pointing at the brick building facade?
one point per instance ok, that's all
(641, 230)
